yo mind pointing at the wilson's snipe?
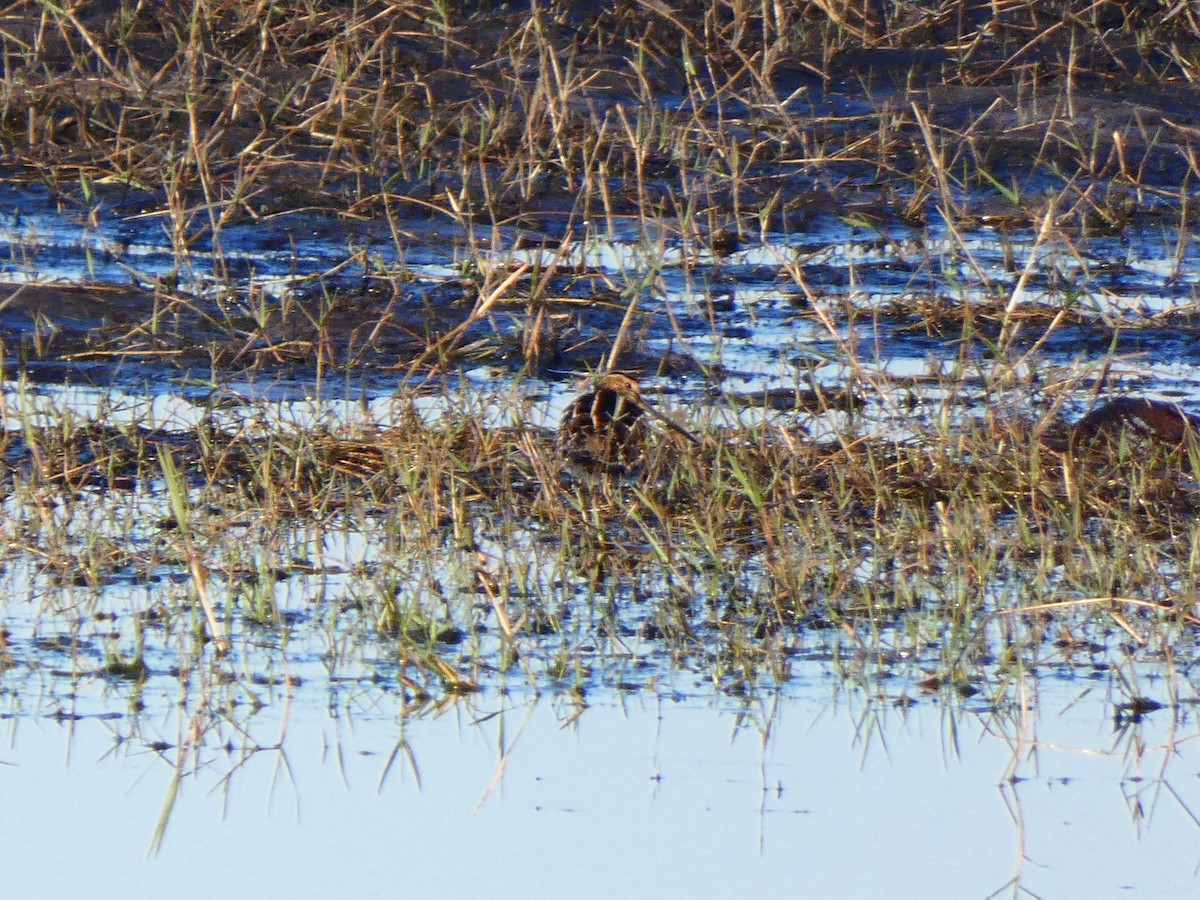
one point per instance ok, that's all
(603, 430)
(1155, 420)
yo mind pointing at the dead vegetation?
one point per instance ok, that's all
(511, 142)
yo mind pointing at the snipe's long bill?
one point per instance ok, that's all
(604, 429)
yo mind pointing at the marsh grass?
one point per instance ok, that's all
(424, 563)
(485, 557)
(220, 112)
(936, 531)
(530, 137)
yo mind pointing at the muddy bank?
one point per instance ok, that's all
(717, 194)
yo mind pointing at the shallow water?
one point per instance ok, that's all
(306, 772)
(745, 317)
(641, 794)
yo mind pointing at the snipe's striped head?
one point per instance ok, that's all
(604, 429)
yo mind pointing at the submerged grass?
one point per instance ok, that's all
(948, 527)
(480, 555)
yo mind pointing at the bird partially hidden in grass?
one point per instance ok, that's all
(1155, 420)
(1131, 429)
(604, 429)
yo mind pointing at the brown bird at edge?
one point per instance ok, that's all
(1153, 422)
(1156, 419)
(604, 429)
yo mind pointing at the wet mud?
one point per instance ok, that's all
(903, 181)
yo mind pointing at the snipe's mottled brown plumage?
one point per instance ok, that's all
(1148, 423)
(604, 429)
(1157, 420)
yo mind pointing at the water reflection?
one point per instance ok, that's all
(644, 794)
(312, 762)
